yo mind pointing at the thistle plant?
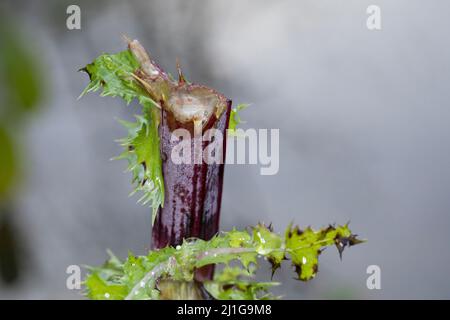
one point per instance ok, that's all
(185, 198)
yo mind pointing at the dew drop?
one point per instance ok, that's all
(107, 295)
(263, 241)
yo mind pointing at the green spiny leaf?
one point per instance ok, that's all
(234, 283)
(139, 275)
(269, 244)
(304, 246)
(235, 118)
(99, 289)
(113, 74)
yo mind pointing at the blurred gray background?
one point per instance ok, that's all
(364, 134)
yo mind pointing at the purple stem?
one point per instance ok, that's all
(193, 192)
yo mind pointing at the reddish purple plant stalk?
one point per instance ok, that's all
(193, 192)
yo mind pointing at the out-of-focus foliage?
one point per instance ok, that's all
(21, 89)
(20, 78)
(21, 92)
(9, 248)
(7, 162)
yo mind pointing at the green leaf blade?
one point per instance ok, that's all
(114, 75)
